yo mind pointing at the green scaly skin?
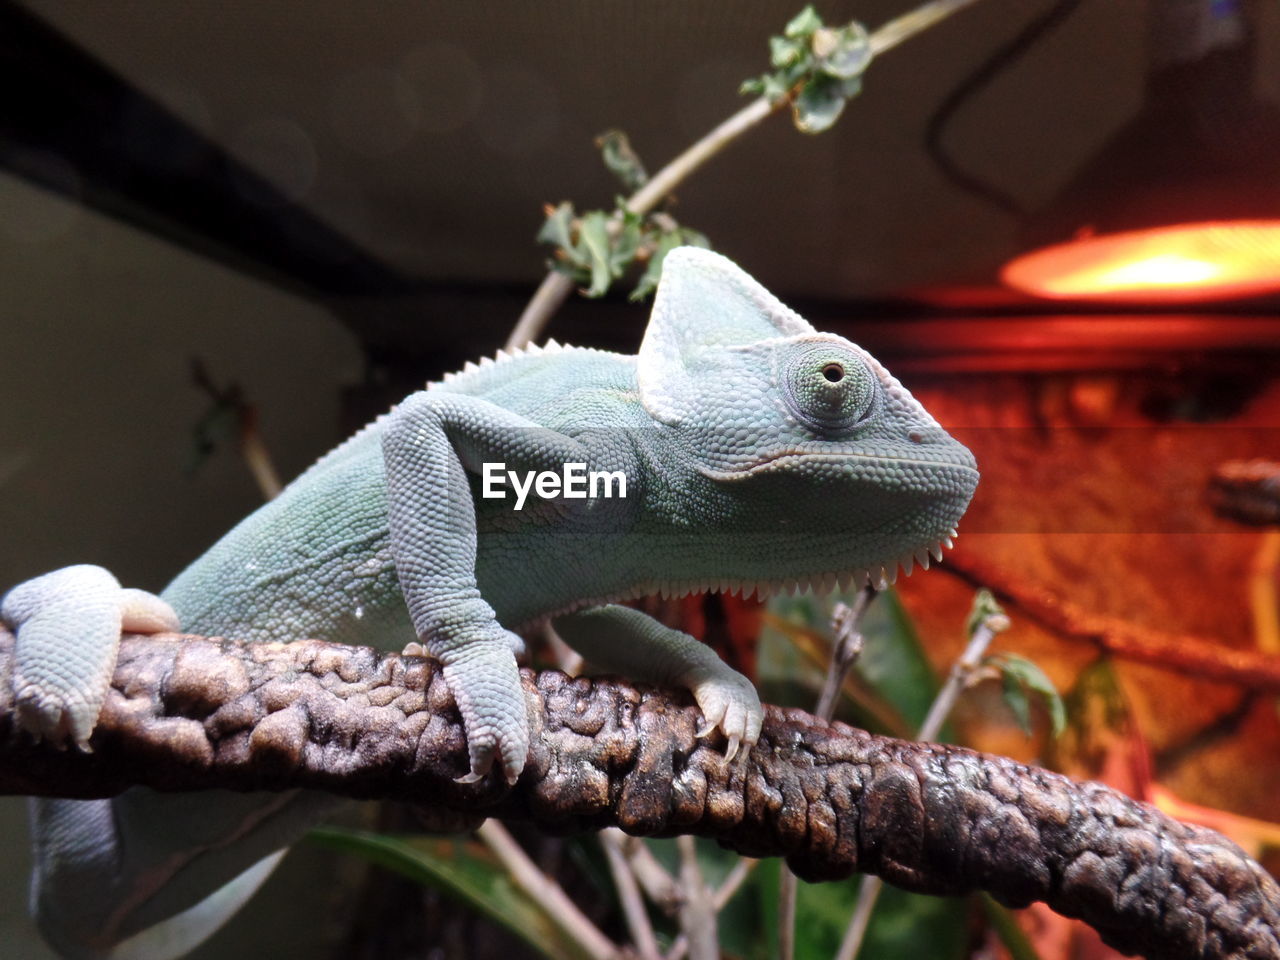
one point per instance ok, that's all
(760, 456)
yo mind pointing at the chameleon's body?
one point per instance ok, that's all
(759, 455)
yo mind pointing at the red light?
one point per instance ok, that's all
(1182, 263)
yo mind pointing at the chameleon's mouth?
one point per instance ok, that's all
(879, 576)
(783, 458)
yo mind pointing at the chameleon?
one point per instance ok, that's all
(760, 456)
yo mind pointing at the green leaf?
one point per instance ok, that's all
(558, 228)
(463, 869)
(593, 234)
(819, 105)
(803, 24)
(775, 87)
(626, 242)
(680, 237)
(783, 52)
(1020, 675)
(1015, 696)
(851, 54)
(851, 87)
(621, 159)
(648, 281)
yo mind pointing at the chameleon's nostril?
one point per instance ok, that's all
(915, 436)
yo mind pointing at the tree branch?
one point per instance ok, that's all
(188, 713)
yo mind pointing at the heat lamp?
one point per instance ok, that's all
(1182, 204)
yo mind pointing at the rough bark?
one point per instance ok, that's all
(188, 713)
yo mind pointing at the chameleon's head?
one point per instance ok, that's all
(827, 461)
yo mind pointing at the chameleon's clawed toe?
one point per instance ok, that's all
(729, 704)
(513, 773)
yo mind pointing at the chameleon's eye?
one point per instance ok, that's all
(828, 386)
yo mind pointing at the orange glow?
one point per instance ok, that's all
(1186, 262)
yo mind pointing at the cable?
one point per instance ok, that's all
(999, 60)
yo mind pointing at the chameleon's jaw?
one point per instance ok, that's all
(879, 576)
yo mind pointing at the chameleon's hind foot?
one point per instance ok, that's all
(68, 625)
(729, 703)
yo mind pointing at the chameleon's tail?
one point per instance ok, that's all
(147, 875)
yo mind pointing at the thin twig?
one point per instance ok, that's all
(868, 893)
(724, 893)
(697, 911)
(655, 880)
(846, 626)
(964, 667)
(258, 459)
(230, 401)
(560, 653)
(734, 881)
(551, 294)
(969, 662)
(846, 647)
(909, 24)
(788, 893)
(611, 840)
(544, 891)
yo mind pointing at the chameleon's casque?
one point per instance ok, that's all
(760, 455)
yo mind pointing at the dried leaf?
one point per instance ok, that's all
(622, 160)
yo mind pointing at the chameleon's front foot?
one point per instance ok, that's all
(68, 625)
(485, 682)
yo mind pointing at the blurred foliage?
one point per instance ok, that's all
(223, 422)
(597, 247)
(903, 925)
(819, 68)
(622, 160)
(461, 868)
(1098, 716)
(1022, 678)
(892, 684)
(1006, 928)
